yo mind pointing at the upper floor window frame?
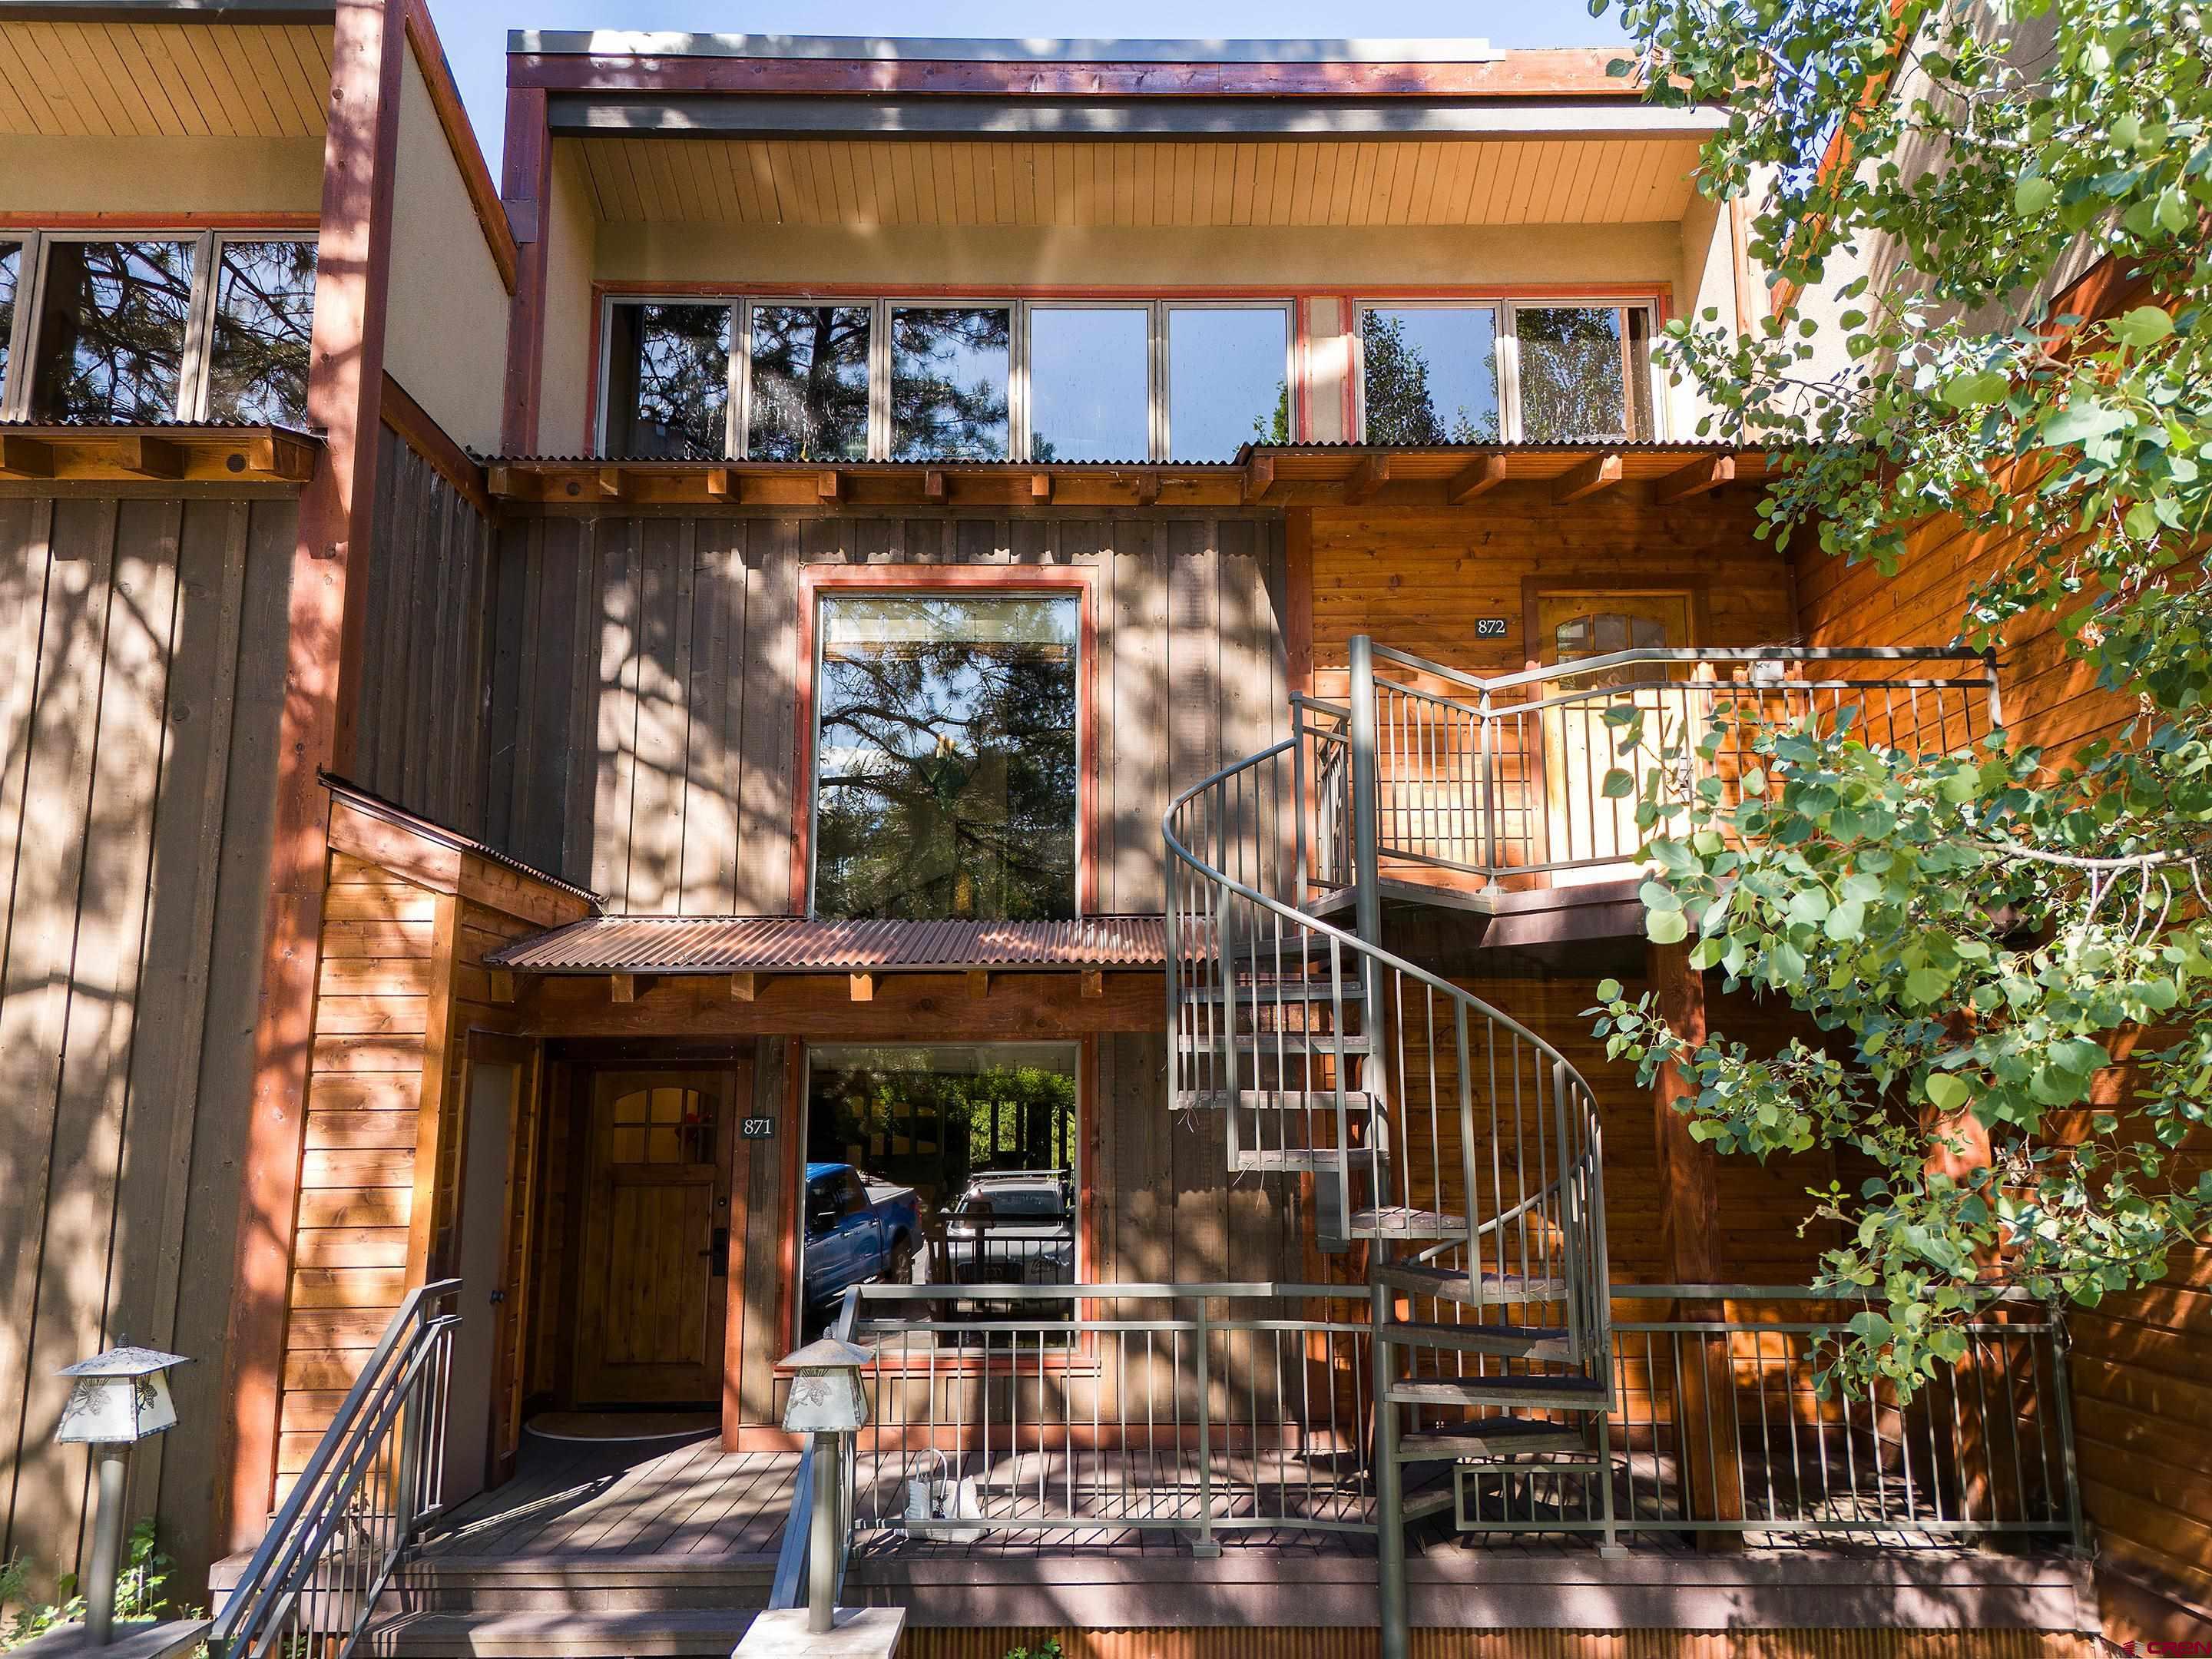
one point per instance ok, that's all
(1021, 307)
(1505, 309)
(195, 381)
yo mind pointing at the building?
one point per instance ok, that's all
(547, 722)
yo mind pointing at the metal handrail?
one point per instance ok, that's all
(332, 1544)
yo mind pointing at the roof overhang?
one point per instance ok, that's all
(36, 453)
(641, 114)
(1262, 476)
(168, 11)
(613, 60)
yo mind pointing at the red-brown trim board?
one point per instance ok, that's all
(329, 569)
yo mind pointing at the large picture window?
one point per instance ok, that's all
(852, 380)
(265, 311)
(808, 383)
(1441, 372)
(946, 755)
(11, 278)
(938, 1163)
(1090, 383)
(100, 329)
(670, 394)
(951, 367)
(1229, 380)
(112, 322)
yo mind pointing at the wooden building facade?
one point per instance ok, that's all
(403, 787)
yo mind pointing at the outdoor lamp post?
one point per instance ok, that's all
(826, 1400)
(120, 1398)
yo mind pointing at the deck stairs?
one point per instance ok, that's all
(1455, 1154)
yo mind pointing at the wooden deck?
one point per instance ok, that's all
(666, 1548)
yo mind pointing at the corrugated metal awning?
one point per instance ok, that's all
(724, 944)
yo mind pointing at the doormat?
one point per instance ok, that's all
(622, 1425)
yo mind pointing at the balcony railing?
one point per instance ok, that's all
(1480, 779)
(1091, 1414)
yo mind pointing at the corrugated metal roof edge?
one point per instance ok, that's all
(1319, 446)
(383, 807)
(519, 953)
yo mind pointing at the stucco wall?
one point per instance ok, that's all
(565, 399)
(160, 176)
(1335, 259)
(445, 328)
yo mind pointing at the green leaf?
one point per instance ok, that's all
(1619, 785)
(1666, 927)
(1846, 922)
(1608, 990)
(2034, 194)
(2144, 325)
(1947, 1093)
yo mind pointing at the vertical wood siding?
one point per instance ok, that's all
(425, 644)
(645, 684)
(141, 682)
(2142, 1413)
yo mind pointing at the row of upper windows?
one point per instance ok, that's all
(208, 327)
(1103, 381)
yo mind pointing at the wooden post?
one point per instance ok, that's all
(1689, 1254)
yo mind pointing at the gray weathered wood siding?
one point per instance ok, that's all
(141, 677)
(645, 680)
(424, 682)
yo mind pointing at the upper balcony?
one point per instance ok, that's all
(1291, 210)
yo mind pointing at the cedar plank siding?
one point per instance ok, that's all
(1418, 581)
(425, 641)
(406, 921)
(2143, 1414)
(141, 655)
(643, 748)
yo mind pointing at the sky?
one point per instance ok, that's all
(474, 31)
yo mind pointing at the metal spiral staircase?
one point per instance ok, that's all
(1454, 1147)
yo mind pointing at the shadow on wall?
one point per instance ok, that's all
(141, 679)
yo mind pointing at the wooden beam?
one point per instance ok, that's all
(1484, 472)
(1259, 478)
(502, 985)
(979, 983)
(501, 480)
(26, 458)
(1041, 487)
(610, 483)
(1709, 472)
(861, 987)
(721, 485)
(828, 486)
(149, 458)
(1148, 488)
(744, 988)
(933, 486)
(272, 455)
(624, 987)
(1599, 472)
(1367, 478)
(1690, 1243)
(1094, 981)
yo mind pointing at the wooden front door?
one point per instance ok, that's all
(1583, 821)
(653, 1285)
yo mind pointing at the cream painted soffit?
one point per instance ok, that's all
(886, 48)
(1624, 179)
(201, 79)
